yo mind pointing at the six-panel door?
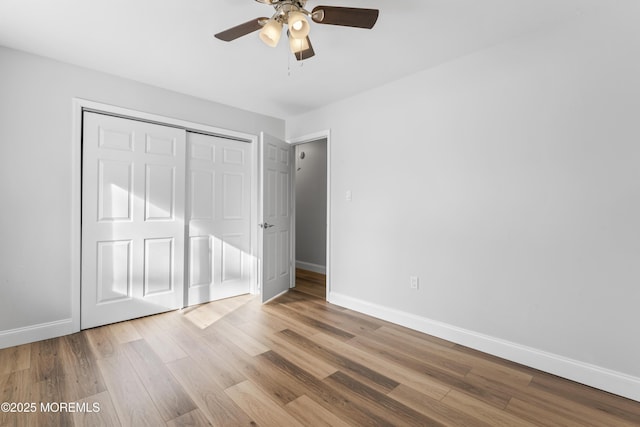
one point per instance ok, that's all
(276, 216)
(132, 219)
(219, 209)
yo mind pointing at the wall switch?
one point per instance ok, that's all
(413, 282)
(348, 195)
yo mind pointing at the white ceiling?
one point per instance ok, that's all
(170, 43)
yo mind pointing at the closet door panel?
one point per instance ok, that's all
(219, 191)
(133, 206)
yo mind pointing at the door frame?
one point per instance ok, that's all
(325, 134)
(79, 105)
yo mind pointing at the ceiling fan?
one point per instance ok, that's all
(293, 14)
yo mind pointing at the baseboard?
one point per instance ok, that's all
(37, 332)
(311, 267)
(575, 370)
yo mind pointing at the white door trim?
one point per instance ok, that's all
(325, 134)
(78, 106)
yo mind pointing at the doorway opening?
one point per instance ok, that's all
(311, 215)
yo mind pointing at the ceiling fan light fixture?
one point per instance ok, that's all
(298, 45)
(293, 14)
(298, 25)
(270, 33)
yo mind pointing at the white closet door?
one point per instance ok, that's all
(132, 219)
(219, 209)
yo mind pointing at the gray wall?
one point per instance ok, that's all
(36, 173)
(509, 182)
(311, 203)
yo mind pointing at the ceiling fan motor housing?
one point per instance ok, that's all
(286, 7)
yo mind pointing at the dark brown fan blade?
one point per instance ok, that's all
(241, 30)
(305, 54)
(345, 16)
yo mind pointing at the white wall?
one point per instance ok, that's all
(36, 176)
(311, 205)
(509, 182)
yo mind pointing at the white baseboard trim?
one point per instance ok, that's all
(35, 333)
(316, 268)
(575, 370)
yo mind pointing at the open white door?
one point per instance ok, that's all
(275, 216)
(132, 219)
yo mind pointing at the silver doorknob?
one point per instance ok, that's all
(265, 225)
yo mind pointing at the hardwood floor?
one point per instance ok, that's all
(311, 283)
(297, 361)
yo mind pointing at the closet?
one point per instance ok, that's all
(166, 218)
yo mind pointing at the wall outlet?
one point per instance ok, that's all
(413, 282)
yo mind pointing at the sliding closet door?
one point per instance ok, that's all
(132, 219)
(219, 210)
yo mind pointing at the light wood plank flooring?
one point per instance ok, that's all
(311, 283)
(297, 361)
